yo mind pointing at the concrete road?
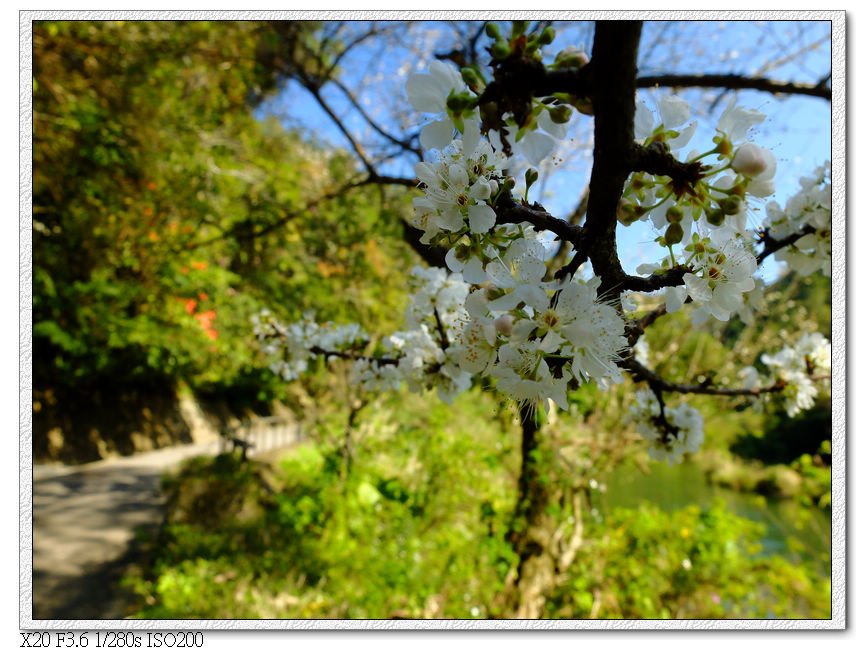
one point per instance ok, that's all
(84, 523)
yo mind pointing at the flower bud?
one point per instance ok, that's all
(492, 31)
(531, 177)
(504, 324)
(471, 77)
(547, 36)
(675, 215)
(561, 114)
(750, 160)
(731, 205)
(674, 233)
(509, 183)
(715, 217)
(626, 212)
(571, 57)
(458, 102)
(519, 27)
(500, 50)
(585, 106)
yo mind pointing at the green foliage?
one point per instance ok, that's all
(404, 530)
(690, 563)
(166, 213)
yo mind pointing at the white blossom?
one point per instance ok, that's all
(798, 368)
(810, 207)
(684, 433)
(724, 271)
(428, 93)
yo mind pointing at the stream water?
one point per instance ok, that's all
(788, 532)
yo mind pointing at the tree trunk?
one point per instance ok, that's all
(532, 530)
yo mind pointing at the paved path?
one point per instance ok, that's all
(84, 523)
(85, 520)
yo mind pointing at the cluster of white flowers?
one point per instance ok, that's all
(420, 356)
(722, 280)
(443, 94)
(803, 369)
(719, 199)
(670, 437)
(810, 207)
(456, 190)
(294, 345)
(535, 343)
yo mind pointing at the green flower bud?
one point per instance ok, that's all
(561, 114)
(472, 78)
(547, 36)
(585, 107)
(509, 183)
(500, 50)
(570, 57)
(674, 233)
(715, 217)
(626, 212)
(492, 31)
(531, 177)
(675, 215)
(730, 205)
(457, 103)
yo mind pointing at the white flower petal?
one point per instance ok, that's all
(644, 122)
(437, 135)
(471, 137)
(674, 111)
(536, 146)
(481, 218)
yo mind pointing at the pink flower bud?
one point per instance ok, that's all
(504, 324)
(750, 160)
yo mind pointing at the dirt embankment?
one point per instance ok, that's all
(74, 426)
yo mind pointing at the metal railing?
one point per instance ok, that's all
(259, 435)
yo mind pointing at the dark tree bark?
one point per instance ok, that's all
(614, 62)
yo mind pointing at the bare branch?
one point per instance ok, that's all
(771, 245)
(671, 278)
(403, 144)
(657, 159)
(734, 82)
(509, 211)
(658, 384)
(351, 356)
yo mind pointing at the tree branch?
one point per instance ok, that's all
(614, 61)
(658, 383)
(510, 211)
(772, 245)
(657, 159)
(734, 82)
(382, 361)
(671, 278)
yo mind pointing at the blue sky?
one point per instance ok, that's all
(797, 129)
